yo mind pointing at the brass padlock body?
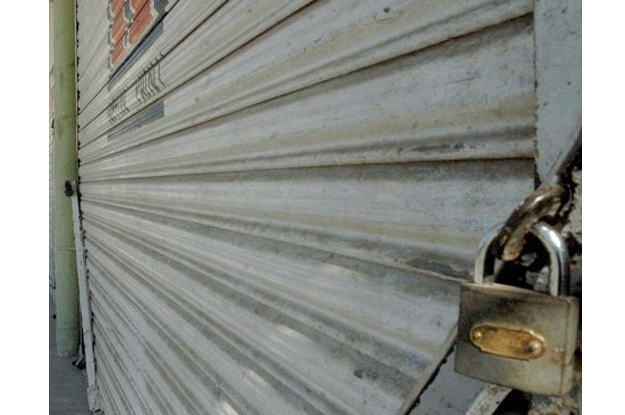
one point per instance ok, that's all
(551, 319)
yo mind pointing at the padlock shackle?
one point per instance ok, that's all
(484, 256)
(559, 261)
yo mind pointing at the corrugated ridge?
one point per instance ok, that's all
(228, 19)
(96, 46)
(197, 374)
(179, 302)
(194, 155)
(462, 122)
(443, 116)
(119, 334)
(160, 379)
(180, 21)
(333, 323)
(214, 94)
(94, 31)
(418, 223)
(92, 34)
(223, 258)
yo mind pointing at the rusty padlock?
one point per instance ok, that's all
(517, 337)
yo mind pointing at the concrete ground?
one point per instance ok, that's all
(68, 385)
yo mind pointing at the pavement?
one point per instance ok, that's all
(68, 385)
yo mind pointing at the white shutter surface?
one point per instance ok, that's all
(281, 197)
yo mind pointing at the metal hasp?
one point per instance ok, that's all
(517, 337)
(65, 166)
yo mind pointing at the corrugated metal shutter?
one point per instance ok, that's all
(280, 197)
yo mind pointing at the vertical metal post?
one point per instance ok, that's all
(65, 169)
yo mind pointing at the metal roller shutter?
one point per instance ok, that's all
(281, 197)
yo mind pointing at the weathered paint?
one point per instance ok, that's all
(129, 22)
(281, 197)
